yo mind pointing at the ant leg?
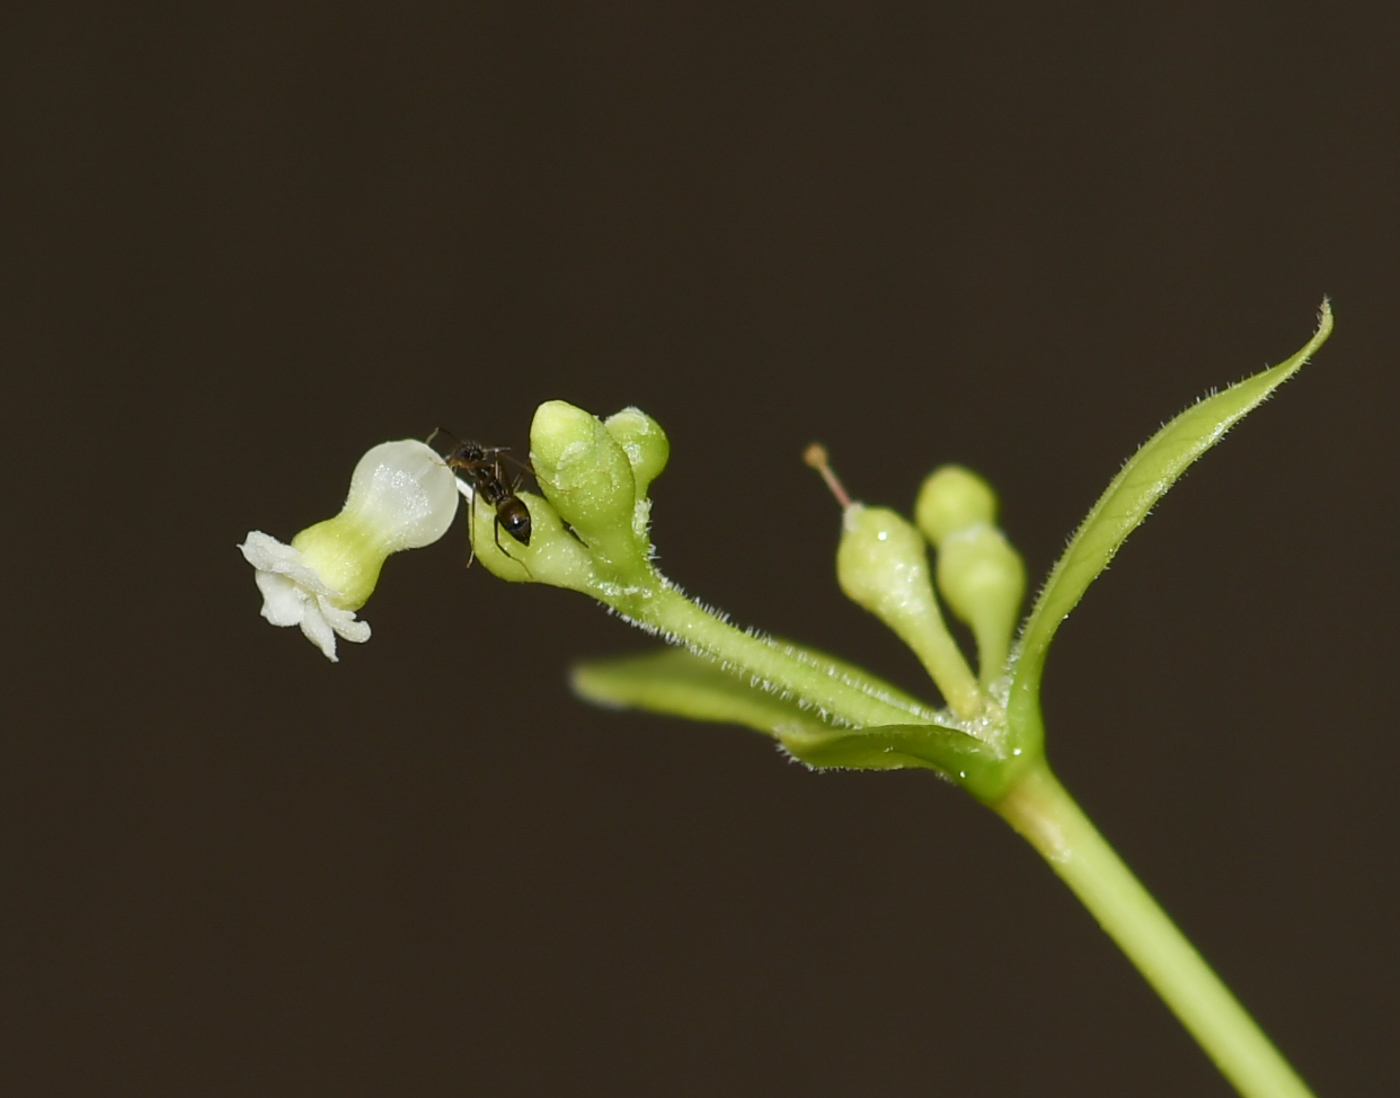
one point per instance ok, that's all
(523, 466)
(519, 477)
(471, 529)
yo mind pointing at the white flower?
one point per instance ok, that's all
(402, 496)
(293, 594)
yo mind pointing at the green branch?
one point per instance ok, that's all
(1044, 813)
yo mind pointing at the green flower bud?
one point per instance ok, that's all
(648, 450)
(953, 498)
(554, 556)
(882, 565)
(585, 474)
(979, 574)
(983, 580)
(647, 447)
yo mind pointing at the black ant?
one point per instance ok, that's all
(482, 466)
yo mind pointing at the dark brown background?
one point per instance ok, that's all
(244, 242)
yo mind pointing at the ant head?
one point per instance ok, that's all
(461, 453)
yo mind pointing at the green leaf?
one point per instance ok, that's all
(977, 766)
(679, 683)
(1122, 508)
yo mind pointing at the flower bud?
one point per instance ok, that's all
(554, 556)
(585, 473)
(648, 450)
(401, 496)
(882, 565)
(980, 575)
(645, 443)
(953, 498)
(983, 580)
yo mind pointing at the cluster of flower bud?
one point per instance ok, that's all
(882, 565)
(590, 526)
(980, 575)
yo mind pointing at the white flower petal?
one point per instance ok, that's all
(318, 631)
(344, 622)
(284, 602)
(267, 554)
(293, 594)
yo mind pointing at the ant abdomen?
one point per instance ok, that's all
(515, 517)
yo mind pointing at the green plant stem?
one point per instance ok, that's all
(1042, 810)
(839, 692)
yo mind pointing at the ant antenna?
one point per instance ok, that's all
(815, 455)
